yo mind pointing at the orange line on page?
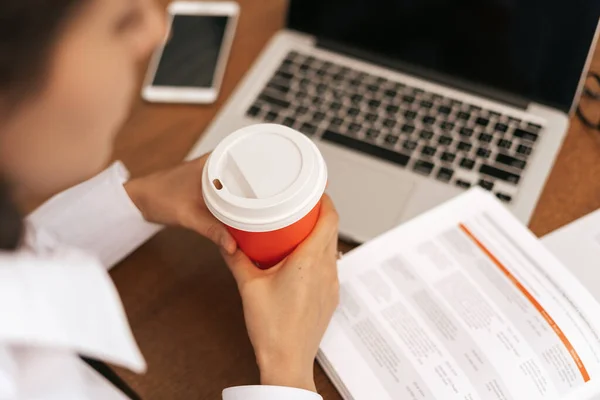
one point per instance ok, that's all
(533, 301)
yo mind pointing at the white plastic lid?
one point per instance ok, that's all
(263, 177)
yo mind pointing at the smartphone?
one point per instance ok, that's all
(190, 66)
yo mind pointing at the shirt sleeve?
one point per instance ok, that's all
(268, 393)
(96, 216)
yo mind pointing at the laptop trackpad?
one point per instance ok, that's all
(369, 200)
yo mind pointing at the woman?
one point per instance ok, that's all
(67, 76)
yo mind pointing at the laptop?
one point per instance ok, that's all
(413, 102)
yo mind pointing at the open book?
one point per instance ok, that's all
(464, 303)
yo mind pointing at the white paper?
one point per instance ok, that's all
(462, 303)
(577, 245)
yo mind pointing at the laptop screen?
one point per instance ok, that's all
(536, 49)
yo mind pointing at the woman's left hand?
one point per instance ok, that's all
(174, 197)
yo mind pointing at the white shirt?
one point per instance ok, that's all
(57, 300)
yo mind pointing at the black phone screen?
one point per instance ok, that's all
(191, 54)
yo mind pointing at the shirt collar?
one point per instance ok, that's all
(60, 297)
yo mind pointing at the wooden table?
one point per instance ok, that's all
(181, 300)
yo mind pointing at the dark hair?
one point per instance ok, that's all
(28, 32)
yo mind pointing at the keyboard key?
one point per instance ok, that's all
(353, 128)
(322, 88)
(407, 128)
(337, 121)
(408, 99)
(466, 132)
(308, 129)
(318, 116)
(445, 140)
(391, 140)
(271, 116)
(301, 110)
(304, 67)
(483, 152)
(485, 138)
(515, 120)
(423, 167)
(482, 121)
(253, 111)
(525, 150)
(370, 117)
(467, 163)
(464, 146)
(284, 75)
(426, 104)
(321, 72)
(289, 121)
(487, 185)
(500, 127)
(463, 115)
(372, 88)
(447, 126)
(390, 93)
(463, 184)
(374, 103)
(504, 144)
(428, 151)
(389, 123)
(367, 148)
(511, 161)
(392, 109)
(356, 98)
(372, 134)
(353, 112)
(445, 174)
(301, 95)
(444, 110)
(534, 127)
(523, 134)
(335, 106)
(448, 157)
(504, 197)
(274, 101)
(500, 174)
(410, 145)
(318, 101)
(410, 114)
(428, 120)
(455, 103)
(474, 108)
(425, 134)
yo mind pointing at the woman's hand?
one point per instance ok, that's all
(174, 197)
(288, 307)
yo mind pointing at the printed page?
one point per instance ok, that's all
(577, 246)
(462, 303)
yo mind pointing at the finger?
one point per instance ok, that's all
(240, 266)
(208, 226)
(325, 232)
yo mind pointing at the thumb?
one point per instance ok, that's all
(240, 266)
(209, 227)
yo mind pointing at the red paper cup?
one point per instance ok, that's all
(265, 182)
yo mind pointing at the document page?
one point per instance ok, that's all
(577, 246)
(462, 303)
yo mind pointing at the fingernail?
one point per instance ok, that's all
(228, 245)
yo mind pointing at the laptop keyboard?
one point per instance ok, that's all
(429, 134)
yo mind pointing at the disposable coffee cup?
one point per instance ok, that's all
(265, 183)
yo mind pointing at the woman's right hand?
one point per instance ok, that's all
(288, 307)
